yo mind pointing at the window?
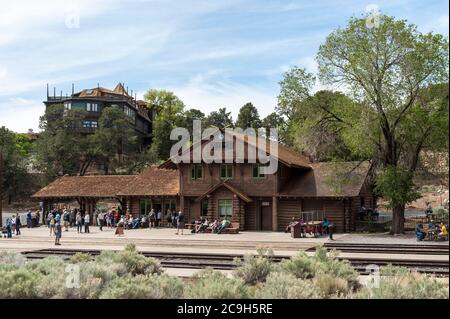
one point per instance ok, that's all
(94, 124)
(129, 111)
(225, 208)
(169, 204)
(204, 211)
(144, 206)
(226, 171)
(196, 171)
(90, 124)
(257, 171)
(92, 107)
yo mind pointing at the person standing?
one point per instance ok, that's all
(52, 225)
(58, 232)
(152, 217)
(49, 218)
(9, 228)
(87, 220)
(101, 219)
(78, 220)
(158, 218)
(29, 219)
(18, 224)
(72, 218)
(66, 219)
(180, 222)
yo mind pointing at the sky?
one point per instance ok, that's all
(210, 53)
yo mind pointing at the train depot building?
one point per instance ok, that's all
(237, 190)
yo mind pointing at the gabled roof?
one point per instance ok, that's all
(328, 179)
(98, 186)
(153, 181)
(234, 190)
(285, 155)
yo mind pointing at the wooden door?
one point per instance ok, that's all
(266, 218)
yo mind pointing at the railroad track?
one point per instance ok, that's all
(225, 261)
(431, 249)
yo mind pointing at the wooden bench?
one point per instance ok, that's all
(233, 228)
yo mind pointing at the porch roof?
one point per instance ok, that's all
(234, 190)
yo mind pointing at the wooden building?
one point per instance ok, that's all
(237, 190)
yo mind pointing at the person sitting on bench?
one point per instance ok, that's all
(200, 228)
(444, 232)
(420, 232)
(225, 223)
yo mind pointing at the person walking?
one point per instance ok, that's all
(78, 220)
(87, 220)
(18, 224)
(49, 218)
(180, 222)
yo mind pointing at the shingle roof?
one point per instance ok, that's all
(285, 155)
(153, 181)
(330, 179)
(98, 186)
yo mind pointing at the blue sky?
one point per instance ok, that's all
(210, 53)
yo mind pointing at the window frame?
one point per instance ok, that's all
(258, 167)
(195, 168)
(227, 167)
(229, 205)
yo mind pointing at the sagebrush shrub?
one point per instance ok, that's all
(19, 283)
(210, 284)
(253, 269)
(331, 286)
(301, 266)
(287, 286)
(144, 287)
(11, 258)
(80, 258)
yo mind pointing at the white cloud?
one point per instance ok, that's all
(207, 94)
(19, 115)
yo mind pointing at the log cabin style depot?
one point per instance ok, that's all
(238, 190)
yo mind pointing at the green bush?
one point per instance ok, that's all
(300, 265)
(18, 283)
(135, 263)
(400, 283)
(80, 258)
(210, 284)
(253, 269)
(287, 286)
(331, 286)
(46, 266)
(144, 287)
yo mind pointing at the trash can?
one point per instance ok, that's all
(296, 231)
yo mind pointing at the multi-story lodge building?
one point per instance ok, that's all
(234, 189)
(95, 100)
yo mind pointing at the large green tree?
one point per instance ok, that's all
(390, 69)
(14, 177)
(248, 117)
(113, 141)
(61, 147)
(169, 114)
(220, 119)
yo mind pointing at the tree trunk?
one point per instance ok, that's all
(398, 220)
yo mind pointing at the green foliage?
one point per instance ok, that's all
(248, 117)
(80, 258)
(18, 283)
(253, 269)
(331, 286)
(210, 284)
(144, 287)
(287, 286)
(169, 114)
(220, 119)
(396, 185)
(400, 283)
(307, 267)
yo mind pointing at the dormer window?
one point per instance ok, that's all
(226, 171)
(196, 171)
